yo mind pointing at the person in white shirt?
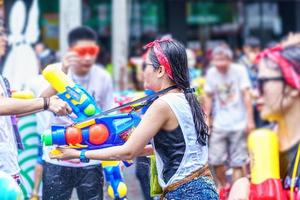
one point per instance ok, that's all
(61, 177)
(228, 102)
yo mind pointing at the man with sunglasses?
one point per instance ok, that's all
(227, 88)
(61, 177)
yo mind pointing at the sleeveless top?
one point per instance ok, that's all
(177, 152)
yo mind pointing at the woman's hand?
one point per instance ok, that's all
(64, 153)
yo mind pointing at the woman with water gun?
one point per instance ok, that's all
(279, 83)
(175, 121)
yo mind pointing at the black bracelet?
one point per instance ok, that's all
(46, 103)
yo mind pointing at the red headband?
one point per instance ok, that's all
(290, 75)
(161, 57)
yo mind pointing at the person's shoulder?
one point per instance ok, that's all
(160, 105)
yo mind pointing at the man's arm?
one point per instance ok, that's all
(245, 86)
(12, 106)
(208, 95)
(249, 109)
(208, 107)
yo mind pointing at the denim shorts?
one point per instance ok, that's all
(202, 188)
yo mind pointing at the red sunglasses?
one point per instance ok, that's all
(81, 51)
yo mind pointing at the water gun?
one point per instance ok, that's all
(92, 130)
(265, 174)
(82, 103)
(96, 133)
(22, 94)
(117, 189)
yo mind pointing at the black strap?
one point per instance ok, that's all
(147, 100)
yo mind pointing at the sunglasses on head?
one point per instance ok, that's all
(91, 50)
(262, 81)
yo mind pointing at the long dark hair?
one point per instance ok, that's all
(176, 55)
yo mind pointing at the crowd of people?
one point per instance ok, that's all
(200, 142)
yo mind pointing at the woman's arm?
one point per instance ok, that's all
(153, 120)
(249, 109)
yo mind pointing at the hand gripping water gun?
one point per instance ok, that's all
(82, 103)
(265, 174)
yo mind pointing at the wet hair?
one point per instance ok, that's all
(81, 33)
(176, 55)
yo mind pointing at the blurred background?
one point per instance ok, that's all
(198, 24)
(123, 27)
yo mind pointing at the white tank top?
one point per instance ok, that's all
(193, 155)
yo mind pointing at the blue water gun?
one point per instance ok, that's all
(96, 133)
(82, 103)
(93, 129)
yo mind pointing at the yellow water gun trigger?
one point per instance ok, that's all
(81, 145)
(55, 152)
(77, 146)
